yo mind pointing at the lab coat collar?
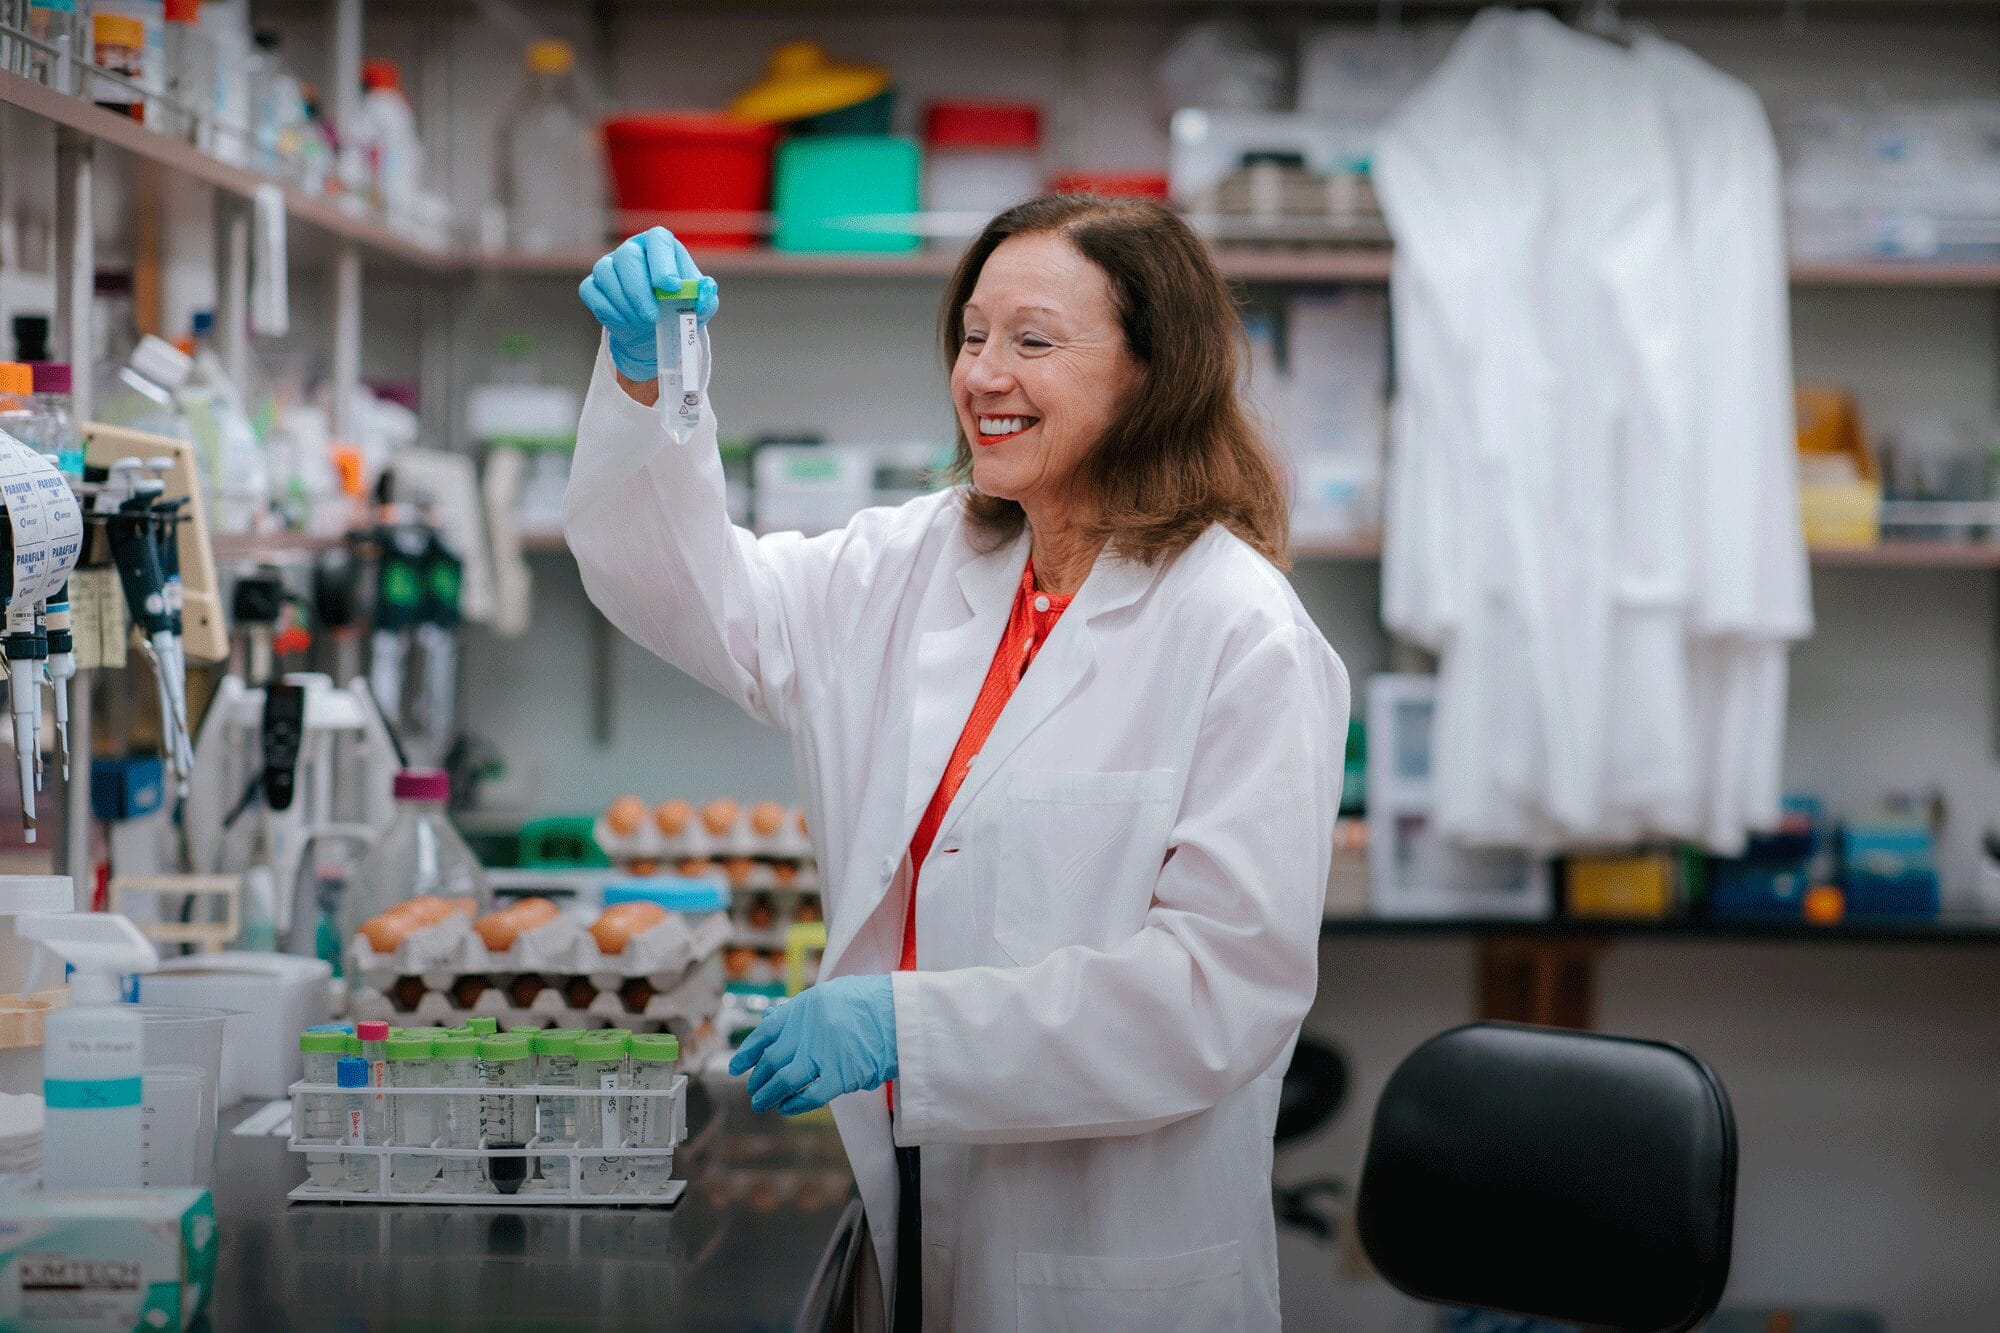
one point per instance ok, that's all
(1062, 665)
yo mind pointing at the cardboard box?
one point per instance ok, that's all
(106, 1259)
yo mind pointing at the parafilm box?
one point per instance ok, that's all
(141, 1260)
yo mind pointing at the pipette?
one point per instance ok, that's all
(399, 598)
(682, 348)
(443, 576)
(62, 666)
(127, 503)
(24, 697)
(166, 535)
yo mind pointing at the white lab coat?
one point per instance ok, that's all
(1117, 927)
(1591, 516)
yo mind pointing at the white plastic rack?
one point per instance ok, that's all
(577, 1166)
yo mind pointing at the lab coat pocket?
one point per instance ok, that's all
(1200, 1291)
(1084, 853)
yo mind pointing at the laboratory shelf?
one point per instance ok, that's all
(1977, 930)
(185, 159)
(1245, 263)
(247, 546)
(1888, 555)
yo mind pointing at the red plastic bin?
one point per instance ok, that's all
(1112, 184)
(692, 162)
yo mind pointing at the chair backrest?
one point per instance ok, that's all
(1565, 1175)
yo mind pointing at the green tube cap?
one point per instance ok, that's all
(505, 1046)
(686, 292)
(607, 1045)
(482, 1025)
(557, 1041)
(410, 1044)
(323, 1043)
(455, 1046)
(655, 1046)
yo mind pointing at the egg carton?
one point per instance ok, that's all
(684, 1003)
(565, 946)
(698, 842)
(743, 875)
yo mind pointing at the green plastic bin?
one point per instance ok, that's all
(561, 842)
(825, 177)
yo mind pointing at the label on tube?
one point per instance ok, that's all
(46, 521)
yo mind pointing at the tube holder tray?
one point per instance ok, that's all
(532, 1193)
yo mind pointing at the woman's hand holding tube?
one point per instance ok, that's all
(621, 292)
(836, 1038)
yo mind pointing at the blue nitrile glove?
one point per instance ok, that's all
(838, 1037)
(620, 291)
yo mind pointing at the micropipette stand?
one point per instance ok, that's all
(342, 782)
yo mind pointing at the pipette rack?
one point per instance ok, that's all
(577, 1164)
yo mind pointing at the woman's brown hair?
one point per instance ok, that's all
(1185, 453)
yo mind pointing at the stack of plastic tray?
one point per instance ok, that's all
(668, 976)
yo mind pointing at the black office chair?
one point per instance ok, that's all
(1563, 1175)
(1314, 1088)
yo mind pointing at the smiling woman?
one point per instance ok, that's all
(1070, 750)
(1093, 351)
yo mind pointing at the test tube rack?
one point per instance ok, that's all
(577, 1165)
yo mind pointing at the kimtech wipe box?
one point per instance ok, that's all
(141, 1260)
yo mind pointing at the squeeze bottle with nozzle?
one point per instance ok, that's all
(93, 1052)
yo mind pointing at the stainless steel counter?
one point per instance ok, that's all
(760, 1241)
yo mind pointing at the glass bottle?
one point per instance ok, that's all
(419, 854)
(550, 165)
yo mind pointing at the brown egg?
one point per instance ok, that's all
(625, 816)
(643, 866)
(522, 990)
(763, 913)
(694, 867)
(500, 929)
(735, 962)
(578, 992)
(718, 817)
(671, 817)
(807, 911)
(407, 993)
(637, 993)
(784, 872)
(465, 992)
(739, 870)
(615, 929)
(766, 818)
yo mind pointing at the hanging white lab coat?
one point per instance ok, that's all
(1591, 435)
(1117, 926)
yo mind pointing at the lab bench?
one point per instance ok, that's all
(763, 1239)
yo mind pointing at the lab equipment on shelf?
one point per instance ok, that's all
(981, 158)
(551, 166)
(693, 162)
(549, 1117)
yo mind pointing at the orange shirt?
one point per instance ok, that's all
(1028, 627)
